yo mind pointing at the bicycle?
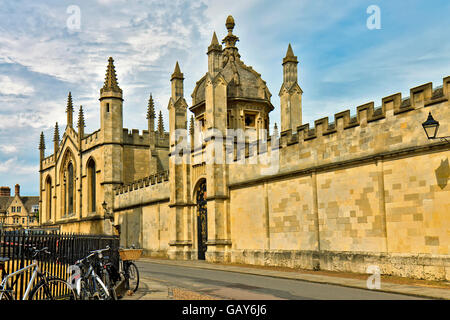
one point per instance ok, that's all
(48, 288)
(128, 270)
(89, 285)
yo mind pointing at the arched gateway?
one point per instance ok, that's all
(202, 232)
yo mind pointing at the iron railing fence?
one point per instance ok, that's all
(64, 248)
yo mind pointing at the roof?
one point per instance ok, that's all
(243, 82)
(28, 202)
(5, 202)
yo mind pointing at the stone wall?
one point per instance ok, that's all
(363, 190)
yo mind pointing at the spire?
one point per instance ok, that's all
(56, 134)
(290, 57)
(214, 40)
(177, 83)
(177, 73)
(81, 123)
(111, 83)
(69, 110)
(160, 123)
(214, 44)
(151, 108)
(42, 142)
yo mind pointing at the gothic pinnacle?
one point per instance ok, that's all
(42, 142)
(69, 103)
(151, 108)
(177, 72)
(81, 124)
(111, 83)
(290, 57)
(214, 40)
(160, 123)
(56, 134)
(69, 110)
(214, 44)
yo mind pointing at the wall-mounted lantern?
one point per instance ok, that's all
(431, 128)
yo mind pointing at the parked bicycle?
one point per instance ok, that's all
(127, 271)
(89, 283)
(48, 287)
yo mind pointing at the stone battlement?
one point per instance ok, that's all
(134, 137)
(143, 183)
(420, 96)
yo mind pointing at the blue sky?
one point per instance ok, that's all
(343, 64)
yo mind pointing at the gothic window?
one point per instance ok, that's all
(48, 201)
(202, 233)
(70, 188)
(91, 185)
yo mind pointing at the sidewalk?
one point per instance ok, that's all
(161, 291)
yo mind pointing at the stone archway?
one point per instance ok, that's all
(202, 219)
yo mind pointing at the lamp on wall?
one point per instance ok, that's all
(431, 128)
(108, 214)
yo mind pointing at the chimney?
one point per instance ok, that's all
(5, 192)
(17, 190)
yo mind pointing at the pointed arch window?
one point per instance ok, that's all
(70, 188)
(48, 198)
(92, 190)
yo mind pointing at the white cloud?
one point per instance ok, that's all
(18, 167)
(14, 86)
(7, 149)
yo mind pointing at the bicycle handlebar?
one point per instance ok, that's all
(37, 251)
(92, 253)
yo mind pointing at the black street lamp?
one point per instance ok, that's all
(108, 215)
(431, 128)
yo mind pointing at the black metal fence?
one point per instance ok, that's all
(64, 248)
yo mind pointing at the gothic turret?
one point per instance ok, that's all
(177, 83)
(290, 94)
(111, 105)
(214, 56)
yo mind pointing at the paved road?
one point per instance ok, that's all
(231, 285)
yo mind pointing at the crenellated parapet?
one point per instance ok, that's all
(143, 183)
(371, 132)
(420, 96)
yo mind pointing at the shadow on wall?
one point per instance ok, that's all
(442, 174)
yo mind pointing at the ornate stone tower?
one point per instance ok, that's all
(111, 126)
(178, 170)
(290, 94)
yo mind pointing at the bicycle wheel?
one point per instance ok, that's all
(53, 289)
(106, 278)
(133, 276)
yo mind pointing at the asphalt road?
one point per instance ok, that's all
(232, 285)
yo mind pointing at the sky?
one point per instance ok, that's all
(48, 48)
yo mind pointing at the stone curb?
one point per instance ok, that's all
(419, 291)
